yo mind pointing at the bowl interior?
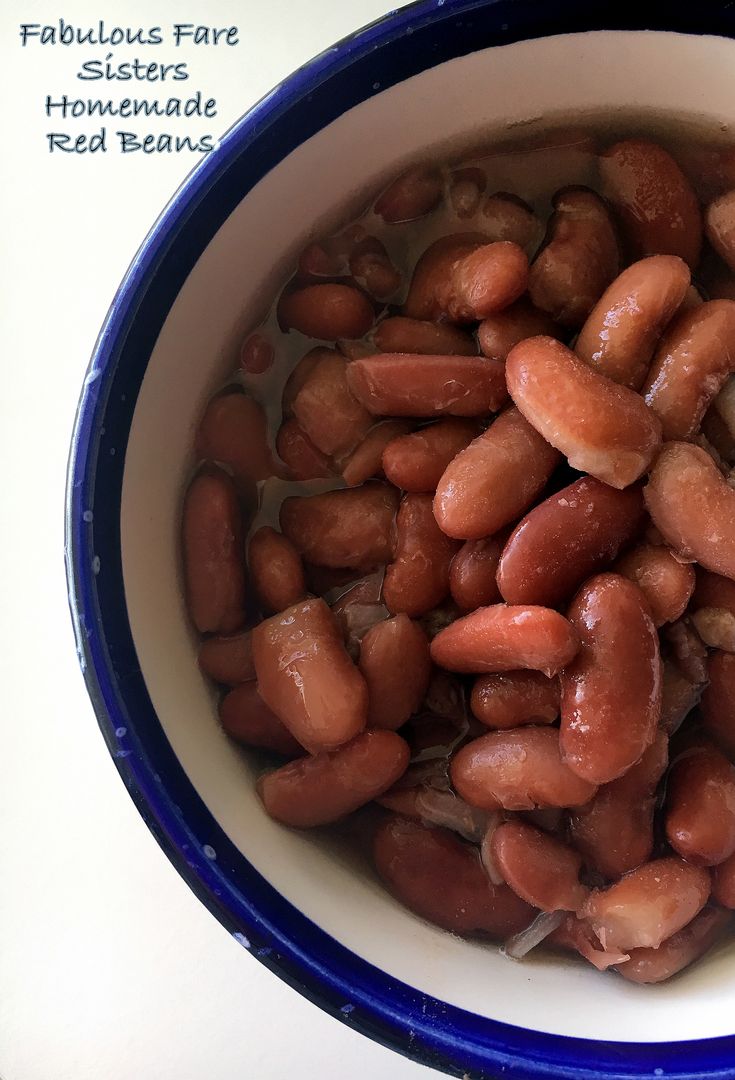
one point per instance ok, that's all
(325, 178)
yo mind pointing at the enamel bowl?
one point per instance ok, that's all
(424, 78)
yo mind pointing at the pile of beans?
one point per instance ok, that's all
(499, 605)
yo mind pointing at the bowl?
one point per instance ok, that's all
(421, 79)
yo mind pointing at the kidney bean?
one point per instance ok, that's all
(564, 539)
(352, 527)
(257, 354)
(614, 830)
(366, 460)
(623, 328)
(416, 461)
(691, 364)
(418, 578)
(601, 427)
(372, 269)
(709, 169)
(700, 807)
(246, 718)
(228, 658)
(327, 311)
(483, 281)
(723, 883)
(715, 627)
(395, 664)
(648, 905)
(414, 384)
(576, 935)
(495, 479)
(307, 678)
(611, 692)
(433, 270)
(329, 256)
(719, 225)
(718, 701)
(276, 570)
(514, 698)
(472, 573)
(542, 870)
(718, 435)
(325, 408)
(498, 333)
(411, 195)
(440, 878)
(403, 802)
(693, 506)
(578, 260)
(518, 770)
(296, 450)
(233, 432)
(678, 951)
(666, 583)
(318, 790)
(506, 217)
(214, 570)
(465, 191)
(657, 207)
(504, 637)
(679, 695)
(398, 334)
(692, 299)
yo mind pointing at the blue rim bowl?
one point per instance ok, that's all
(450, 1039)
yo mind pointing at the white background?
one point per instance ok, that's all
(110, 969)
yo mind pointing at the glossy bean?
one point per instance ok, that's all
(719, 224)
(566, 538)
(576, 935)
(416, 461)
(228, 658)
(256, 354)
(700, 807)
(678, 951)
(418, 577)
(498, 333)
(495, 479)
(514, 698)
(318, 790)
(348, 528)
(395, 664)
(326, 312)
(307, 678)
(506, 217)
(276, 570)
(233, 432)
(723, 883)
(247, 719)
(432, 272)
(483, 281)
(666, 583)
(296, 450)
(465, 191)
(611, 692)
(622, 330)
(517, 770)
(299, 376)
(372, 269)
(398, 334)
(602, 428)
(366, 460)
(541, 869)
(472, 574)
(326, 409)
(718, 701)
(411, 195)
(413, 384)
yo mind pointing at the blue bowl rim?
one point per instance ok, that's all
(349, 988)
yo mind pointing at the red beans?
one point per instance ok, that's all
(719, 222)
(418, 578)
(416, 462)
(718, 701)
(367, 458)
(318, 790)
(666, 583)
(233, 433)
(441, 879)
(700, 807)
(276, 570)
(325, 408)
(302, 459)
(372, 269)
(214, 563)
(413, 384)
(432, 272)
(395, 664)
(611, 692)
(306, 677)
(539, 868)
(247, 718)
(343, 528)
(678, 951)
(498, 333)
(327, 312)
(397, 334)
(484, 281)
(723, 883)
(506, 217)
(228, 659)
(515, 698)
(411, 195)
(472, 573)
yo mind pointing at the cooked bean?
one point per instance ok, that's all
(352, 527)
(700, 807)
(611, 692)
(256, 355)
(411, 195)
(579, 259)
(709, 169)
(719, 224)
(566, 538)
(397, 334)
(246, 718)
(366, 460)
(483, 281)
(542, 870)
(678, 951)
(418, 578)
(576, 935)
(718, 435)
(327, 312)
(666, 583)
(498, 333)
(413, 384)
(395, 664)
(648, 905)
(657, 207)
(614, 831)
(715, 627)
(228, 658)
(440, 878)
(714, 591)
(602, 428)
(518, 770)
(503, 637)
(276, 570)
(299, 375)
(327, 410)
(621, 333)
(693, 506)
(718, 701)
(495, 479)
(306, 677)
(298, 453)
(214, 563)
(472, 575)
(433, 270)
(514, 698)
(723, 883)
(506, 217)
(688, 650)
(372, 269)
(416, 462)
(233, 432)
(318, 790)
(465, 190)
(690, 366)
(329, 256)
(679, 696)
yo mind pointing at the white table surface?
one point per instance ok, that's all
(110, 969)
